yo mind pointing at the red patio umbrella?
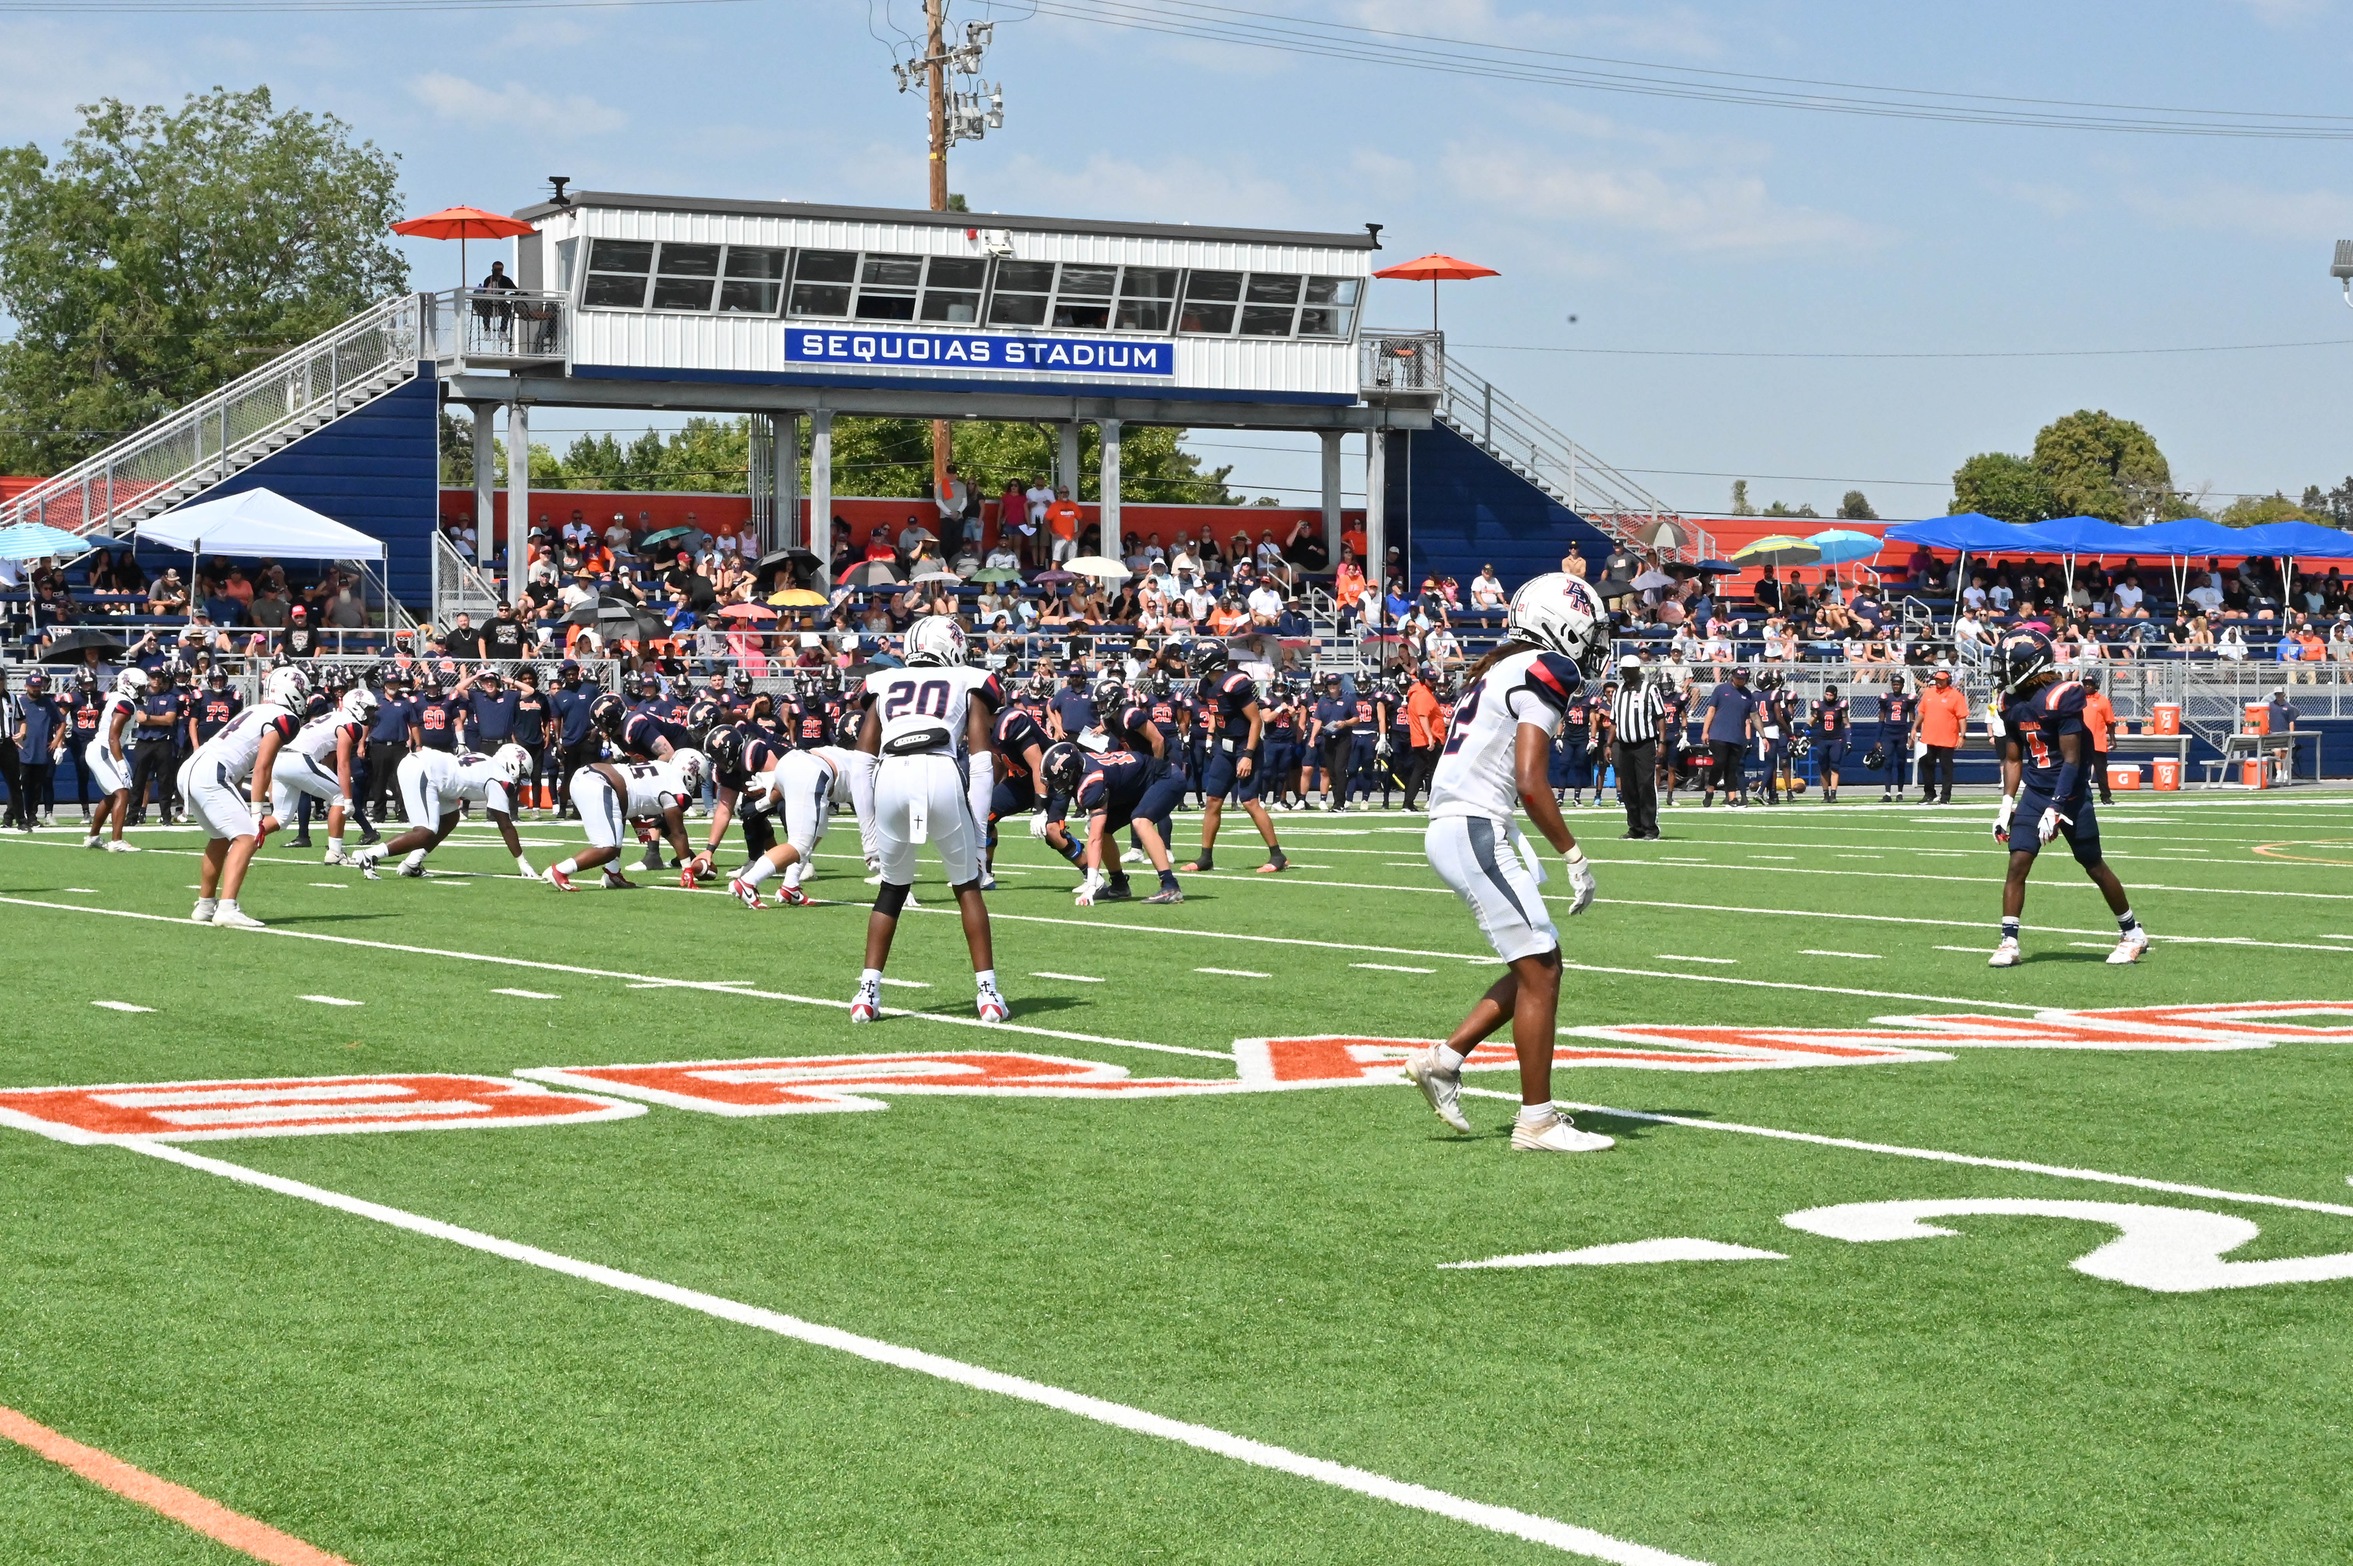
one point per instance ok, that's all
(462, 224)
(1437, 268)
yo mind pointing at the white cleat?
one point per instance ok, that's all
(1556, 1135)
(412, 869)
(1441, 1087)
(115, 845)
(2007, 954)
(334, 856)
(866, 1005)
(744, 892)
(205, 911)
(990, 1005)
(2129, 949)
(366, 860)
(235, 919)
(988, 881)
(92, 841)
(874, 879)
(1134, 856)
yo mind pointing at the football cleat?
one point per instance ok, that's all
(1134, 856)
(1441, 1087)
(745, 893)
(2006, 955)
(866, 1005)
(557, 879)
(988, 880)
(334, 856)
(1167, 894)
(1116, 892)
(989, 1005)
(412, 869)
(615, 881)
(92, 841)
(205, 910)
(2129, 949)
(793, 897)
(1556, 1135)
(116, 845)
(235, 919)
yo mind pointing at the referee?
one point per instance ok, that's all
(1635, 715)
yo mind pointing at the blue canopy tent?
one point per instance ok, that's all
(1970, 532)
(2288, 542)
(39, 541)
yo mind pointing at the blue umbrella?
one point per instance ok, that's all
(1716, 568)
(37, 541)
(1840, 545)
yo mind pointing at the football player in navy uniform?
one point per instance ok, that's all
(532, 718)
(85, 710)
(1229, 698)
(2047, 788)
(1832, 733)
(1108, 791)
(1776, 721)
(1019, 790)
(1897, 708)
(1571, 771)
(1281, 751)
(1674, 735)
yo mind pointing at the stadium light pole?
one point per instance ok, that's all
(2342, 268)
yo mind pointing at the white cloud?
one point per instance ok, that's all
(1666, 30)
(54, 69)
(1179, 189)
(511, 103)
(2249, 209)
(1709, 213)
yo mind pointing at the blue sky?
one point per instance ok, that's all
(1663, 225)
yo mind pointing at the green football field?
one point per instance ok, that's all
(2058, 1269)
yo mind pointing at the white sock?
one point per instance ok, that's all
(335, 841)
(985, 979)
(795, 871)
(415, 860)
(1536, 1114)
(1448, 1060)
(228, 905)
(208, 902)
(868, 976)
(568, 867)
(757, 871)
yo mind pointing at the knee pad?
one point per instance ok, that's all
(891, 898)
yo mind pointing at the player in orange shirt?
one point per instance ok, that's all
(2099, 721)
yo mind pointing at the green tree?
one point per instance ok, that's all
(1781, 508)
(1742, 506)
(2009, 488)
(167, 252)
(1854, 506)
(2098, 465)
(2255, 510)
(2333, 506)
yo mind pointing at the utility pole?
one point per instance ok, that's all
(935, 60)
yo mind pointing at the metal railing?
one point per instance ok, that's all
(229, 429)
(1394, 366)
(459, 585)
(495, 328)
(1514, 435)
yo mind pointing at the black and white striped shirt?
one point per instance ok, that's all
(1636, 713)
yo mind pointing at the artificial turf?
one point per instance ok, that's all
(1264, 1264)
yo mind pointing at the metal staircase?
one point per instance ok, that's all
(1513, 435)
(229, 430)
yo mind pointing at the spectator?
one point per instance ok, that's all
(2206, 595)
(462, 640)
(1731, 727)
(1487, 590)
(951, 498)
(1062, 520)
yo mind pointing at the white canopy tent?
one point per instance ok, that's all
(263, 524)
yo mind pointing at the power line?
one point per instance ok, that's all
(354, 7)
(1201, 21)
(2019, 353)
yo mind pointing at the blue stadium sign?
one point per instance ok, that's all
(972, 351)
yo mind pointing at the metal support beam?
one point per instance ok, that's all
(1376, 514)
(821, 483)
(788, 484)
(1331, 496)
(1066, 459)
(1112, 539)
(485, 469)
(518, 499)
(761, 477)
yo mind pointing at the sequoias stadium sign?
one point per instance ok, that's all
(974, 351)
(834, 1084)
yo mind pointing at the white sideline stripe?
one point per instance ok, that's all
(1685, 957)
(890, 983)
(86, 891)
(1390, 967)
(333, 886)
(121, 1006)
(1816, 951)
(1235, 973)
(329, 1000)
(1259, 1454)
(528, 994)
(1937, 1156)
(1074, 978)
(1972, 924)
(1973, 951)
(945, 1019)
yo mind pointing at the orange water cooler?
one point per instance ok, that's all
(2168, 774)
(2165, 718)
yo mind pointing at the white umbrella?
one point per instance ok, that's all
(1653, 577)
(1099, 567)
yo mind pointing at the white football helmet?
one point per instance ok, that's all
(286, 686)
(513, 762)
(360, 704)
(1563, 614)
(693, 766)
(132, 682)
(935, 639)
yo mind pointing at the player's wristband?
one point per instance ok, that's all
(1575, 855)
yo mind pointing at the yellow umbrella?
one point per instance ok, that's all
(798, 598)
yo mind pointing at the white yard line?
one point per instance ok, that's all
(528, 994)
(1816, 951)
(1938, 1156)
(1723, 962)
(1073, 978)
(712, 987)
(329, 1000)
(120, 1006)
(1235, 973)
(1504, 1520)
(1390, 967)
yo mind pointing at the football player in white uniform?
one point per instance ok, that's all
(433, 784)
(1495, 762)
(103, 759)
(611, 794)
(916, 787)
(758, 785)
(227, 784)
(319, 762)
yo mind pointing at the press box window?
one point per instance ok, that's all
(1147, 297)
(618, 270)
(1329, 307)
(1210, 300)
(1270, 304)
(952, 287)
(1082, 302)
(687, 277)
(752, 281)
(822, 280)
(886, 287)
(1025, 290)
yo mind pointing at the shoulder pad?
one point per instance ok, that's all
(1551, 670)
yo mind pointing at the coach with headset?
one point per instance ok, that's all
(1634, 715)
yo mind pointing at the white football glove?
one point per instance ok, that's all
(1381, 747)
(2002, 818)
(2048, 827)
(1580, 882)
(1088, 888)
(1037, 826)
